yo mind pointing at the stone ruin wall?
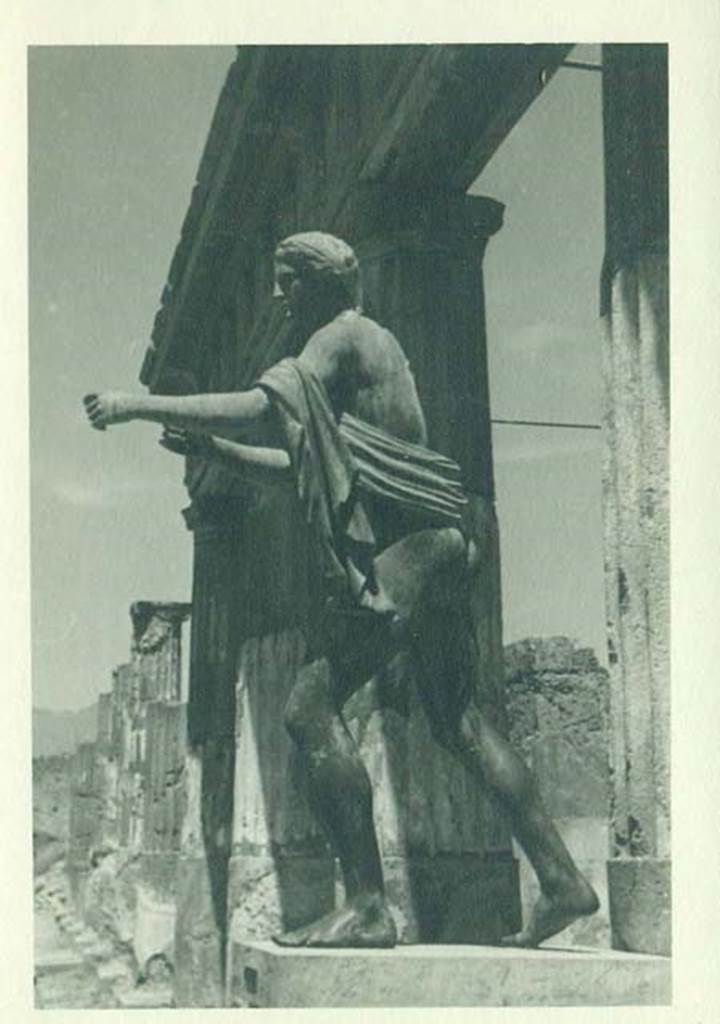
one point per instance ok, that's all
(51, 795)
(126, 793)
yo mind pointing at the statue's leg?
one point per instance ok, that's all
(462, 727)
(565, 894)
(341, 793)
(419, 576)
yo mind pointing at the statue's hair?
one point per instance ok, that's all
(319, 255)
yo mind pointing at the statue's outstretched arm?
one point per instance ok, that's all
(223, 415)
(258, 465)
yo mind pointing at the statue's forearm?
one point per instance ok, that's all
(223, 415)
(258, 465)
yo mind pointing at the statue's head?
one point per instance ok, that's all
(317, 276)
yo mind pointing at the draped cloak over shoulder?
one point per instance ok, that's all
(337, 464)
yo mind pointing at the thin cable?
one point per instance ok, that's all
(541, 423)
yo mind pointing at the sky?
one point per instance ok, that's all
(542, 273)
(115, 135)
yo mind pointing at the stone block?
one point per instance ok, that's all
(640, 907)
(264, 975)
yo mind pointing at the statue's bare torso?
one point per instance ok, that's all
(365, 372)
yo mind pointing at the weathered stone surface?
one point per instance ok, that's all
(558, 711)
(110, 896)
(263, 975)
(199, 941)
(557, 705)
(640, 904)
(272, 894)
(164, 776)
(51, 778)
(636, 482)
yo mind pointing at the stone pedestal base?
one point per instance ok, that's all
(640, 908)
(264, 975)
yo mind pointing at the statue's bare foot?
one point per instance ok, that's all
(552, 913)
(366, 924)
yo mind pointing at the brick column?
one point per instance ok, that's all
(635, 313)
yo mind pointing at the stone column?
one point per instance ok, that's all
(123, 713)
(205, 842)
(155, 664)
(152, 777)
(635, 314)
(164, 797)
(446, 851)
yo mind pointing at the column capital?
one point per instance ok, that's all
(154, 621)
(170, 611)
(412, 218)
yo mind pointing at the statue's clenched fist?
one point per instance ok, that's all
(183, 442)
(107, 408)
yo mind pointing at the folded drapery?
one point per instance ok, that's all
(335, 464)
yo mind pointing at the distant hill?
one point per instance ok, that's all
(59, 732)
